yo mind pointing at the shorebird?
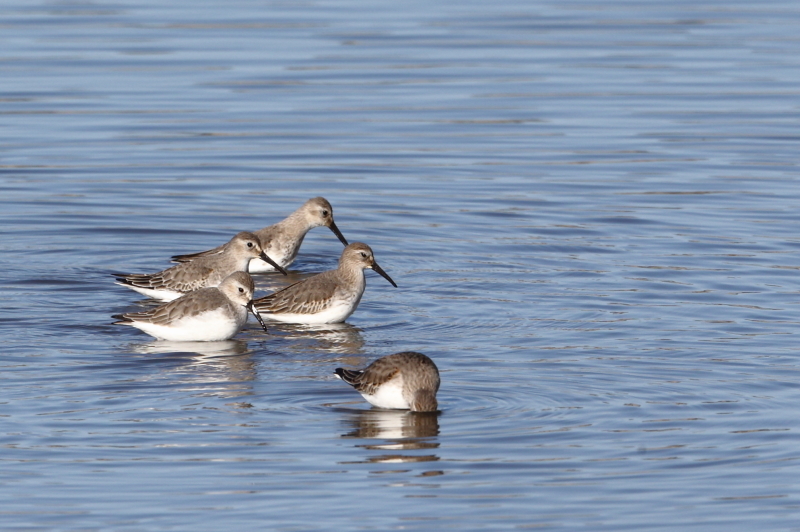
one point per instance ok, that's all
(404, 381)
(329, 297)
(207, 271)
(281, 241)
(205, 315)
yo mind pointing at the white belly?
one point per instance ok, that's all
(259, 266)
(333, 314)
(210, 326)
(389, 395)
(161, 295)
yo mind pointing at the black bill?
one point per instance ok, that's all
(338, 233)
(254, 310)
(274, 264)
(383, 273)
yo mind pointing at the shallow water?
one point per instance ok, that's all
(590, 211)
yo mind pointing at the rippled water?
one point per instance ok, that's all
(590, 210)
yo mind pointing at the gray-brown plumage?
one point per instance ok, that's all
(406, 381)
(329, 297)
(208, 314)
(281, 241)
(172, 283)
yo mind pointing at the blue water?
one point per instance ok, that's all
(590, 210)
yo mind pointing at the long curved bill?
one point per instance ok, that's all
(383, 273)
(274, 264)
(254, 310)
(338, 233)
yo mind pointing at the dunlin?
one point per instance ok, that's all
(281, 241)
(205, 315)
(329, 297)
(207, 271)
(404, 381)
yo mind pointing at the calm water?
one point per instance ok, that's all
(590, 209)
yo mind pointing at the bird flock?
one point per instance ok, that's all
(208, 295)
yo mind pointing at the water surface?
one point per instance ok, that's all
(590, 211)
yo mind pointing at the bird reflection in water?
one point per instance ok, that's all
(334, 338)
(400, 430)
(220, 369)
(208, 349)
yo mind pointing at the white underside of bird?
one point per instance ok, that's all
(160, 294)
(260, 266)
(389, 395)
(211, 326)
(336, 313)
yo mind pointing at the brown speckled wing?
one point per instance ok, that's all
(189, 257)
(378, 373)
(188, 277)
(306, 297)
(193, 304)
(181, 278)
(350, 376)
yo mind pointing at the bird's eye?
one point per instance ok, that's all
(324, 214)
(363, 254)
(241, 290)
(249, 244)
